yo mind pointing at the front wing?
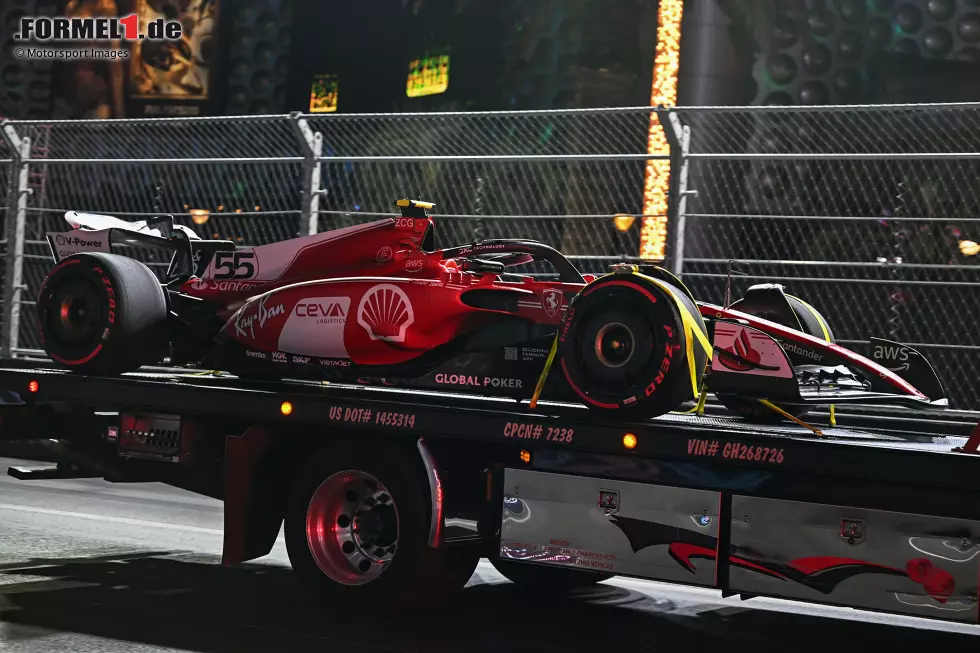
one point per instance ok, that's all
(749, 363)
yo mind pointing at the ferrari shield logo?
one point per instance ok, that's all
(551, 301)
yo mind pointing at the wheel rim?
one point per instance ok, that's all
(78, 314)
(614, 350)
(352, 527)
(614, 344)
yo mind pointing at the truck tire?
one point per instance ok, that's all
(544, 578)
(808, 320)
(623, 346)
(102, 314)
(357, 529)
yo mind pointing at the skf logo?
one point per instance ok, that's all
(551, 301)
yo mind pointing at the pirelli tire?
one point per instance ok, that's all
(623, 346)
(102, 314)
(811, 322)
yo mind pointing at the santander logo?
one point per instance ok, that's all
(386, 313)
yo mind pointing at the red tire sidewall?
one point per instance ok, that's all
(90, 269)
(660, 313)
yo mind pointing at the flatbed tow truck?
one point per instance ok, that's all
(391, 496)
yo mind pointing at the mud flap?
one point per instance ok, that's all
(908, 364)
(251, 522)
(749, 363)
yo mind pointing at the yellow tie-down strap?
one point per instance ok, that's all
(688, 322)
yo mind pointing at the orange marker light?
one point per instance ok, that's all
(525, 456)
(33, 386)
(286, 408)
(629, 440)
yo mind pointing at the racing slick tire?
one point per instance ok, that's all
(542, 578)
(102, 314)
(357, 527)
(624, 346)
(814, 324)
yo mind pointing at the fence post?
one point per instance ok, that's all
(312, 144)
(679, 139)
(14, 231)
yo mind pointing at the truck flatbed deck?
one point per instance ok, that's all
(899, 444)
(882, 490)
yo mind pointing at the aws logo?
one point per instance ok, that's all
(892, 354)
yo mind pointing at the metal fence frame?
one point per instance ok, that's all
(602, 137)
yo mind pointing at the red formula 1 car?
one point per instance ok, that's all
(378, 303)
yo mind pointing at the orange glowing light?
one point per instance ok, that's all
(623, 222)
(33, 386)
(653, 231)
(199, 216)
(629, 441)
(525, 456)
(286, 408)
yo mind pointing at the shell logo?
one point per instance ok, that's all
(386, 313)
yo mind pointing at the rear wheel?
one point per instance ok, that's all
(357, 532)
(624, 346)
(102, 314)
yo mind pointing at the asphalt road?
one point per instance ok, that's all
(90, 566)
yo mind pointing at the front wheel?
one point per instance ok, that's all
(357, 531)
(632, 345)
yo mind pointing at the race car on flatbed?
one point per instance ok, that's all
(388, 497)
(379, 303)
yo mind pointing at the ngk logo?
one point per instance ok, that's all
(325, 310)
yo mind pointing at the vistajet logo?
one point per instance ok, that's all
(115, 28)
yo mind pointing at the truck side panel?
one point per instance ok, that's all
(650, 531)
(874, 559)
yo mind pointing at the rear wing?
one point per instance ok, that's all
(188, 257)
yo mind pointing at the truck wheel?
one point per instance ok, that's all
(623, 346)
(102, 314)
(547, 578)
(357, 532)
(808, 320)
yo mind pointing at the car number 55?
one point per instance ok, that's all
(234, 265)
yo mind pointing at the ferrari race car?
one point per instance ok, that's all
(378, 303)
